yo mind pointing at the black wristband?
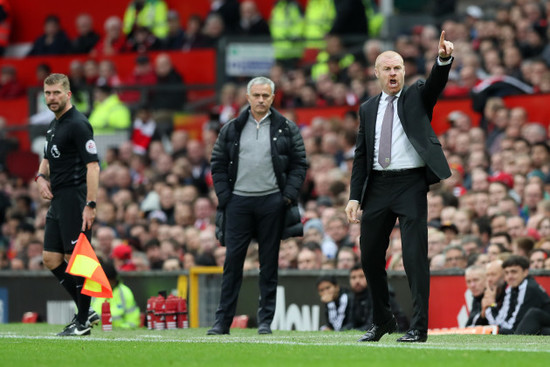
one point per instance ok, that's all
(443, 59)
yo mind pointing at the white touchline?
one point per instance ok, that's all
(278, 341)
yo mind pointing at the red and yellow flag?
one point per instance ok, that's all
(84, 263)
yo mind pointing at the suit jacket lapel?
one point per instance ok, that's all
(400, 110)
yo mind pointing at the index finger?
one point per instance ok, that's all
(442, 38)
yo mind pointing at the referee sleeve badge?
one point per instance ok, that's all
(91, 147)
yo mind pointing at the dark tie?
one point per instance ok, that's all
(384, 149)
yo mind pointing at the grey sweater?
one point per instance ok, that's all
(255, 176)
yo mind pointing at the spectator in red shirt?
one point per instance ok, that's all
(113, 41)
(107, 74)
(143, 75)
(91, 72)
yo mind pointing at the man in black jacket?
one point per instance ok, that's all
(337, 304)
(397, 157)
(86, 37)
(351, 18)
(258, 167)
(361, 302)
(169, 96)
(475, 277)
(522, 294)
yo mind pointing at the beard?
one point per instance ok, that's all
(56, 107)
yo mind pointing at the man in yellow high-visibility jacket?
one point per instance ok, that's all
(286, 25)
(318, 19)
(124, 310)
(109, 114)
(152, 14)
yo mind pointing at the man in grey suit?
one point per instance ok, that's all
(396, 158)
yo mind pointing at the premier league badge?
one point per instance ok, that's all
(55, 152)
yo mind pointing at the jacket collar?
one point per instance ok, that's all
(240, 121)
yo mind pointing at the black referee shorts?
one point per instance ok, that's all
(64, 220)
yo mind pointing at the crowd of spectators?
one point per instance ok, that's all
(156, 202)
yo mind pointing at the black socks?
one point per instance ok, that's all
(73, 285)
(66, 280)
(83, 301)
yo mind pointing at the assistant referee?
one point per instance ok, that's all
(68, 176)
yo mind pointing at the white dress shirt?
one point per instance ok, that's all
(403, 154)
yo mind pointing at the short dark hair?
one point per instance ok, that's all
(110, 271)
(484, 225)
(503, 234)
(52, 18)
(104, 88)
(152, 243)
(525, 243)
(327, 278)
(542, 144)
(312, 246)
(515, 260)
(355, 267)
(499, 245)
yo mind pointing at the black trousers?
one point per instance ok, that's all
(260, 217)
(535, 321)
(390, 196)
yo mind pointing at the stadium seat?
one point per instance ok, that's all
(22, 164)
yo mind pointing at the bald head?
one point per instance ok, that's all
(494, 273)
(388, 55)
(163, 64)
(389, 69)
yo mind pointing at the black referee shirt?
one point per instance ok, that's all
(69, 147)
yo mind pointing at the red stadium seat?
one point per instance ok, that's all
(22, 164)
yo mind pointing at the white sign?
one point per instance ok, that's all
(249, 59)
(292, 318)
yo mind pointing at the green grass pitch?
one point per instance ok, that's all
(35, 345)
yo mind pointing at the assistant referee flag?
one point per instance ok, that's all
(84, 263)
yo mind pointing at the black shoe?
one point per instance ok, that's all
(93, 318)
(414, 336)
(376, 332)
(76, 329)
(264, 329)
(217, 330)
(69, 325)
